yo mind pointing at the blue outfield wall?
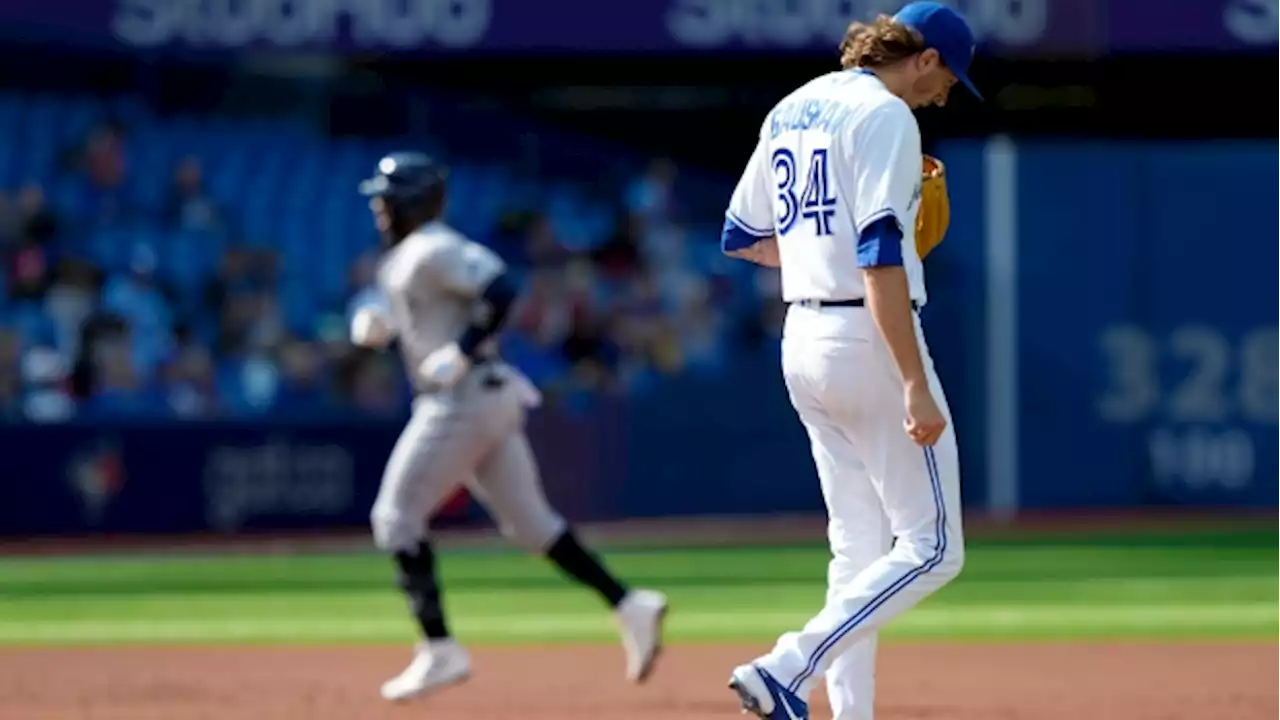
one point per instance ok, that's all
(1144, 317)
(1178, 386)
(670, 454)
(1135, 366)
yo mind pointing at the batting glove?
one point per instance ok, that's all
(445, 367)
(370, 328)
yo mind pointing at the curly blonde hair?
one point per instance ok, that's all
(882, 42)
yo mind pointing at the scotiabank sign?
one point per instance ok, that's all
(725, 23)
(472, 23)
(408, 24)
(1010, 27)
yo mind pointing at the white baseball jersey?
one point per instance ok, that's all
(472, 435)
(835, 161)
(431, 281)
(833, 157)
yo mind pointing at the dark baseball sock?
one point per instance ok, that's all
(416, 576)
(582, 565)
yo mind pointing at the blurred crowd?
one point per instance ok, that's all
(652, 299)
(80, 337)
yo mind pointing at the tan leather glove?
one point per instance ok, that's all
(934, 216)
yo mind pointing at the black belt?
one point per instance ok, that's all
(856, 302)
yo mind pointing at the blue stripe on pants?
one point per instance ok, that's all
(940, 529)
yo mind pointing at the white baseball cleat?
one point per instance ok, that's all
(436, 664)
(640, 618)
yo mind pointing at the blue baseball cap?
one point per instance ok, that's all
(946, 31)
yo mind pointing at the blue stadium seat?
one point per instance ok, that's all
(283, 187)
(31, 324)
(109, 247)
(189, 258)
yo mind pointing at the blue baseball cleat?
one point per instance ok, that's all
(765, 697)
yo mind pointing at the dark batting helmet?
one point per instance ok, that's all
(405, 178)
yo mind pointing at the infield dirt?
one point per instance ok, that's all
(1189, 681)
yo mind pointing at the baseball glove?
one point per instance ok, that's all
(934, 215)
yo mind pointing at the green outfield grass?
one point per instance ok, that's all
(1221, 585)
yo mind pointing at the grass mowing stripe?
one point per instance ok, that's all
(1143, 592)
(1008, 591)
(215, 579)
(728, 565)
(942, 622)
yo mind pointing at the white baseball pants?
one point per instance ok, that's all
(472, 436)
(893, 506)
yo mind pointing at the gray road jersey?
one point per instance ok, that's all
(431, 282)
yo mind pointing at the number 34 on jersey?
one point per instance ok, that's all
(814, 202)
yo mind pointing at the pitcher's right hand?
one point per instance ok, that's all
(924, 422)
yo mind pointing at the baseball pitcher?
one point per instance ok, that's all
(445, 299)
(832, 196)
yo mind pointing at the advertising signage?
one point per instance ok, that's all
(430, 27)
